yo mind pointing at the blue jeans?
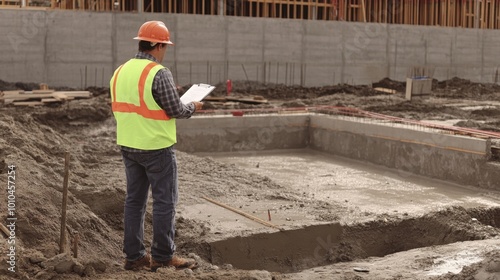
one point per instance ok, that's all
(159, 169)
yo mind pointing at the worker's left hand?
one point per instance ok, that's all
(198, 105)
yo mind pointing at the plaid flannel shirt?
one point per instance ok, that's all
(166, 96)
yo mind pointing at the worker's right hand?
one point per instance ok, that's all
(198, 105)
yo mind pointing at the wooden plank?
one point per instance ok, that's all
(386, 90)
(216, 99)
(61, 96)
(44, 91)
(28, 103)
(253, 218)
(9, 92)
(79, 94)
(25, 96)
(363, 10)
(248, 100)
(50, 100)
(491, 24)
(477, 14)
(14, 96)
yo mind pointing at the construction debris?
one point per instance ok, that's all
(40, 97)
(247, 99)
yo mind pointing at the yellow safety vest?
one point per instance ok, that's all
(140, 122)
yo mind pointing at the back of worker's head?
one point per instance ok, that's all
(145, 46)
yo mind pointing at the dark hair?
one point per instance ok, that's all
(145, 46)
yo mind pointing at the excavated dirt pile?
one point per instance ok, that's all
(447, 101)
(35, 141)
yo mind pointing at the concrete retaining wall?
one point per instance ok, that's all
(79, 49)
(459, 159)
(447, 157)
(249, 133)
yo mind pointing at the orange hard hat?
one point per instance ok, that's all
(155, 32)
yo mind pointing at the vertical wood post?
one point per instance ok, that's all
(62, 240)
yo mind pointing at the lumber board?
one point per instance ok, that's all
(45, 91)
(246, 215)
(247, 100)
(216, 99)
(62, 96)
(218, 103)
(28, 103)
(7, 92)
(50, 100)
(25, 96)
(386, 90)
(80, 94)
(40, 97)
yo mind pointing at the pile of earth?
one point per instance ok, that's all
(439, 105)
(36, 140)
(453, 88)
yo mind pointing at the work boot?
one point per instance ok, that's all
(138, 264)
(177, 262)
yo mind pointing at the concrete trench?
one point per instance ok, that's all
(321, 245)
(417, 152)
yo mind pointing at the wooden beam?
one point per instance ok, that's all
(28, 103)
(324, 16)
(2, 227)
(476, 14)
(385, 90)
(363, 10)
(253, 218)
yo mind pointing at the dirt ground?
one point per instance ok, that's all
(35, 141)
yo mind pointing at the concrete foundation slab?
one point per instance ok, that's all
(368, 187)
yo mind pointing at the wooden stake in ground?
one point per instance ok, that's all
(62, 240)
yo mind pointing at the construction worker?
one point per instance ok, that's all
(145, 104)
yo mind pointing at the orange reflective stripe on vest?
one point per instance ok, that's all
(142, 109)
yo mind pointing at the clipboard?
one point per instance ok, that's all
(196, 93)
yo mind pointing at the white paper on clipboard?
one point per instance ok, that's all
(196, 93)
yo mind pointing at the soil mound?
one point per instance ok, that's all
(37, 151)
(35, 141)
(462, 88)
(284, 92)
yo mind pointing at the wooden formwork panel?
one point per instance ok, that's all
(450, 13)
